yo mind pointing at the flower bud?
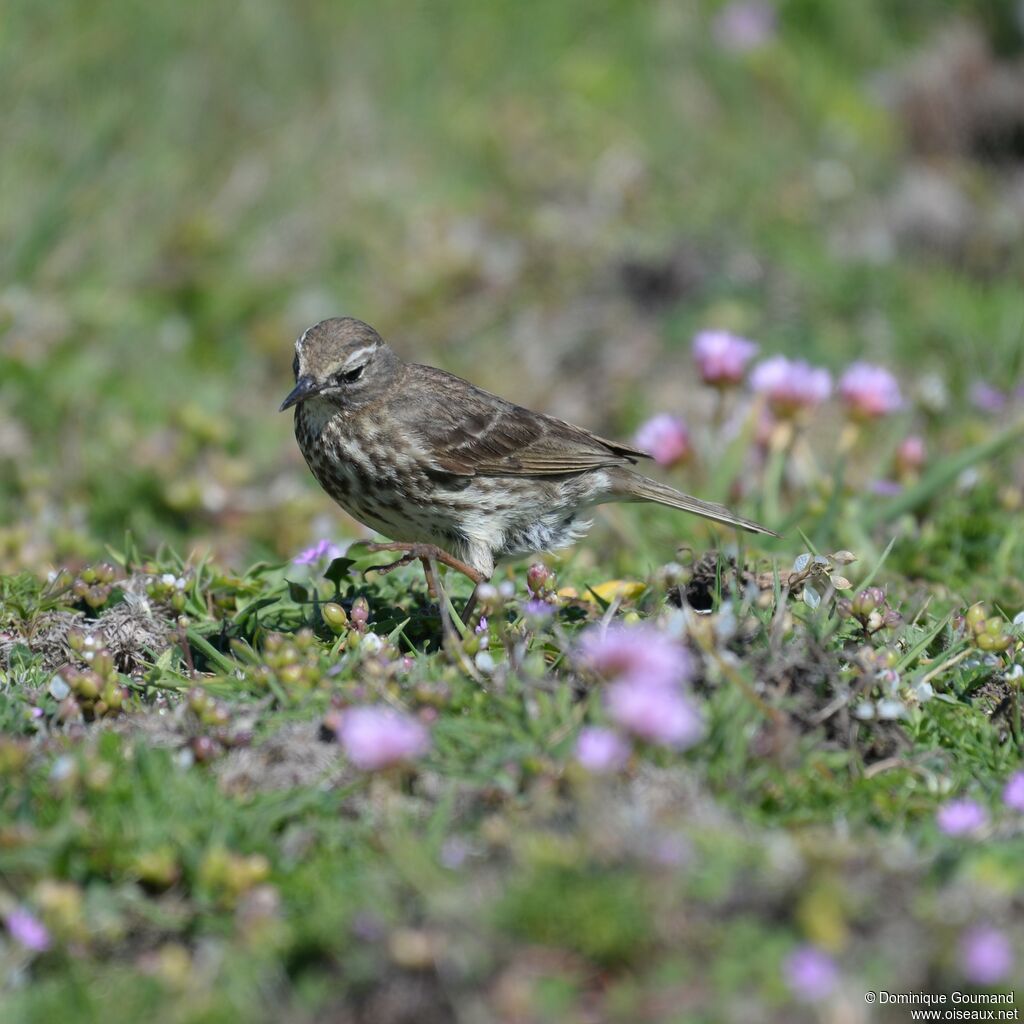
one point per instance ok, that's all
(103, 662)
(892, 619)
(537, 577)
(910, 455)
(867, 601)
(204, 749)
(87, 685)
(290, 675)
(360, 613)
(335, 616)
(198, 701)
(976, 616)
(113, 696)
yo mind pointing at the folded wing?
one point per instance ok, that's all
(480, 434)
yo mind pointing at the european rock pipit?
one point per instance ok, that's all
(447, 470)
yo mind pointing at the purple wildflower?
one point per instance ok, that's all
(601, 751)
(636, 654)
(886, 488)
(321, 549)
(744, 25)
(27, 930)
(791, 385)
(963, 817)
(986, 955)
(811, 974)
(454, 852)
(537, 610)
(655, 713)
(1013, 792)
(666, 438)
(379, 737)
(986, 398)
(869, 391)
(722, 357)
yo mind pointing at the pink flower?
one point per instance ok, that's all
(379, 737)
(744, 25)
(811, 974)
(666, 438)
(601, 751)
(791, 384)
(321, 549)
(655, 713)
(962, 817)
(635, 654)
(722, 357)
(869, 391)
(28, 931)
(1013, 792)
(911, 454)
(986, 956)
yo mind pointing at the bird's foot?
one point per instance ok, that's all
(426, 553)
(430, 556)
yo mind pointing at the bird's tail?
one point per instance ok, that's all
(635, 487)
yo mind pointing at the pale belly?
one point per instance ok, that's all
(479, 520)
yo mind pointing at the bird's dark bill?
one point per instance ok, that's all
(304, 388)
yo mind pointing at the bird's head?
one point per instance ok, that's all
(341, 361)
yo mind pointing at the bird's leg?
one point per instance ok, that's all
(467, 608)
(436, 588)
(429, 556)
(431, 588)
(424, 552)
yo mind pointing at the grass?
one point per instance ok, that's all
(551, 201)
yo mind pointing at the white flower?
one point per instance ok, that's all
(923, 692)
(889, 710)
(371, 643)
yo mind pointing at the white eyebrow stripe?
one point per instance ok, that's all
(358, 355)
(302, 338)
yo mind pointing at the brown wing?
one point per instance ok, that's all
(471, 432)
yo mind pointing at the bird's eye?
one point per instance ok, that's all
(349, 376)
(295, 366)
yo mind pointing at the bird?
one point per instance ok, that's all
(447, 471)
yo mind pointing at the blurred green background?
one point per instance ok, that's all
(549, 198)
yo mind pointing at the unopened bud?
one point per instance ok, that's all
(87, 685)
(360, 614)
(537, 577)
(976, 616)
(867, 601)
(910, 455)
(335, 616)
(103, 662)
(113, 696)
